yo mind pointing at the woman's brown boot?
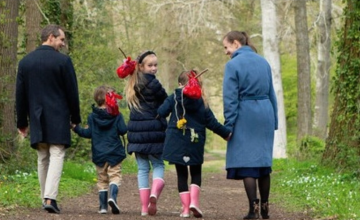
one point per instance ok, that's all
(264, 210)
(253, 210)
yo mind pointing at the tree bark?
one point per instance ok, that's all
(8, 61)
(323, 70)
(272, 54)
(303, 68)
(342, 145)
(32, 24)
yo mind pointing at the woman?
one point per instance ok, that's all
(250, 111)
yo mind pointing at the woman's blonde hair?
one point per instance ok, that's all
(183, 79)
(135, 81)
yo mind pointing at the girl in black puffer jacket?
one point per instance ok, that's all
(146, 132)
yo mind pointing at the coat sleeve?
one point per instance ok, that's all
(84, 132)
(165, 109)
(22, 105)
(273, 100)
(72, 93)
(160, 93)
(121, 126)
(213, 124)
(230, 96)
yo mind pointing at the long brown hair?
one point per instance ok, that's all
(241, 37)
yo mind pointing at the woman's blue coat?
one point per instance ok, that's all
(146, 132)
(178, 147)
(250, 110)
(104, 130)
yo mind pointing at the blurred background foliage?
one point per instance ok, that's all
(184, 34)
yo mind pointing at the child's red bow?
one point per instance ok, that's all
(127, 68)
(192, 89)
(111, 103)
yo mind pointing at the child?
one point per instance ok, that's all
(146, 133)
(105, 124)
(185, 140)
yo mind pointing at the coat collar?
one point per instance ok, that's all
(242, 49)
(45, 47)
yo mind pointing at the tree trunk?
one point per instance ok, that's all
(169, 66)
(66, 21)
(271, 53)
(342, 145)
(33, 24)
(8, 51)
(323, 70)
(303, 69)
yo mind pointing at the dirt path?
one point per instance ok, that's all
(220, 199)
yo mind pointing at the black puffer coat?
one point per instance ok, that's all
(146, 133)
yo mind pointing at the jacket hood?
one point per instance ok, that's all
(190, 105)
(102, 117)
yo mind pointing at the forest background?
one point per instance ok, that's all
(317, 88)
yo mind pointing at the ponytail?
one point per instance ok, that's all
(241, 37)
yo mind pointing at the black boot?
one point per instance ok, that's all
(103, 195)
(264, 211)
(253, 210)
(51, 206)
(112, 200)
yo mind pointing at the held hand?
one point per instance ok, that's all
(72, 126)
(228, 137)
(23, 132)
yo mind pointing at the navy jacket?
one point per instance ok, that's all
(146, 132)
(179, 148)
(104, 130)
(47, 95)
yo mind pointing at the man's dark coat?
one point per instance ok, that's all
(47, 94)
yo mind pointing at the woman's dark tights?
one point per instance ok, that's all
(264, 188)
(263, 184)
(183, 173)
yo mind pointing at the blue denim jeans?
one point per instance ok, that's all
(143, 162)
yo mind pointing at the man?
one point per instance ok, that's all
(47, 95)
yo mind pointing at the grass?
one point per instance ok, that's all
(316, 190)
(214, 161)
(21, 189)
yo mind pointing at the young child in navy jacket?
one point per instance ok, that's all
(185, 139)
(105, 126)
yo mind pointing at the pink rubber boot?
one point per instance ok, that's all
(185, 201)
(144, 199)
(157, 186)
(194, 196)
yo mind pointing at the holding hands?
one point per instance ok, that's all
(228, 137)
(23, 132)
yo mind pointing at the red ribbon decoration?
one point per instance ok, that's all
(127, 68)
(111, 103)
(192, 88)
